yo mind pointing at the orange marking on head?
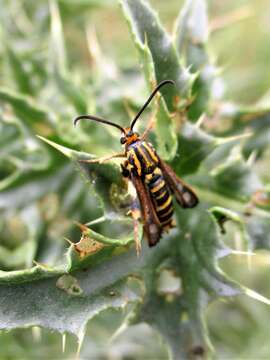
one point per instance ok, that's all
(132, 139)
(130, 136)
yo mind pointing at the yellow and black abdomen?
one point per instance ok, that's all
(161, 196)
(143, 162)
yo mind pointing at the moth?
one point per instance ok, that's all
(154, 180)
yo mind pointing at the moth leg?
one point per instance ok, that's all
(136, 214)
(135, 211)
(104, 158)
(149, 127)
(124, 169)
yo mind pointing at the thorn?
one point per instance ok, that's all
(36, 332)
(118, 332)
(69, 241)
(201, 120)
(44, 266)
(80, 342)
(64, 337)
(221, 141)
(93, 44)
(254, 295)
(96, 221)
(252, 158)
(91, 161)
(238, 252)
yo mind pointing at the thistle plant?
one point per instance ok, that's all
(49, 195)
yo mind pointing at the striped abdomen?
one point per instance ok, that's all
(161, 196)
(143, 161)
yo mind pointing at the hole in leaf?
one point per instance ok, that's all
(69, 284)
(168, 283)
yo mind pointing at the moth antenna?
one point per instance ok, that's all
(165, 82)
(98, 119)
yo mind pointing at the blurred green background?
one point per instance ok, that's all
(239, 45)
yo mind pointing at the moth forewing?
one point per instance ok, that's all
(151, 224)
(183, 193)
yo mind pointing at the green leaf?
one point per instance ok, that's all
(256, 120)
(194, 145)
(96, 244)
(259, 229)
(72, 92)
(99, 288)
(235, 177)
(191, 42)
(101, 176)
(35, 186)
(223, 215)
(190, 256)
(26, 109)
(147, 31)
(166, 133)
(22, 78)
(42, 301)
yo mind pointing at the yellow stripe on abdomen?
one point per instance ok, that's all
(166, 204)
(159, 186)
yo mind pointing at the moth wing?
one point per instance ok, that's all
(183, 193)
(151, 225)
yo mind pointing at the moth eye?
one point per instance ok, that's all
(122, 139)
(130, 133)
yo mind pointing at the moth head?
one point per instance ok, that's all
(129, 136)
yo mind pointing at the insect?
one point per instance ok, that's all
(153, 179)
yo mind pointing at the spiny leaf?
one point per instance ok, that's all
(94, 248)
(256, 119)
(43, 303)
(165, 127)
(26, 109)
(223, 215)
(102, 176)
(21, 152)
(22, 78)
(235, 178)
(71, 91)
(147, 31)
(166, 134)
(195, 145)
(191, 257)
(191, 39)
(34, 186)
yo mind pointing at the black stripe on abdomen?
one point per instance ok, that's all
(162, 198)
